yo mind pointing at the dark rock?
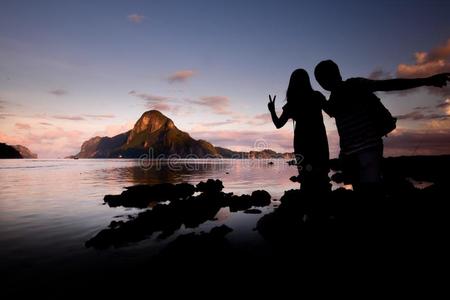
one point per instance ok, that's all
(7, 151)
(210, 186)
(242, 202)
(165, 218)
(25, 152)
(140, 196)
(260, 198)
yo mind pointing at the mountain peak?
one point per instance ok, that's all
(151, 121)
(156, 132)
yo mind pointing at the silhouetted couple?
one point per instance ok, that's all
(361, 120)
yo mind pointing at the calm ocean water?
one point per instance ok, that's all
(50, 208)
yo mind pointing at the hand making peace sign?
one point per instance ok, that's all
(271, 104)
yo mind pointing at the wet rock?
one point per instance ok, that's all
(140, 196)
(260, 198)
(210, 186)
(239, 203)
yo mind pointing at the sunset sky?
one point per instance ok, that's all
(71, 70)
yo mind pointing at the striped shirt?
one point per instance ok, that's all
(349, 105)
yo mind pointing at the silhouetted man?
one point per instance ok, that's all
(354, 106)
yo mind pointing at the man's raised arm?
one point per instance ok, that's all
(438, 80)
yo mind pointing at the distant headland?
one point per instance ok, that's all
(15, 151)
(155, 131)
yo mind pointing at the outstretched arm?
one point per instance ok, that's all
(281, 121)
(438, 80)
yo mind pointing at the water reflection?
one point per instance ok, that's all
(239, 176)
(50, 208)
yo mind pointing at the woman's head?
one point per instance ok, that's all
(299, 85)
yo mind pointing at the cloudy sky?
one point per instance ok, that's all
(71, 70)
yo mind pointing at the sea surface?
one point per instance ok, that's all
(50, 208)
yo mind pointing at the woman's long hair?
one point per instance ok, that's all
(299, 87)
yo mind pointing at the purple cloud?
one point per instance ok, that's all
(181, 76)
(58, 92)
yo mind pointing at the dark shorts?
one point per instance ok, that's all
(364, 167)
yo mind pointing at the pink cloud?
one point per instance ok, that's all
(161, 103)
(11, 140)
(54, 134)
(4, 116)
(257, 120)
(160, 106)
(22, 126)
(100, 117)
(423, 69)
(68, 117)
(437, 60)
(437, 53)
(219, 123)
(260, 119)
(218, 104)
(49, 143)
(135, 18)
(114, 129)
(148, 97)
(181, 76)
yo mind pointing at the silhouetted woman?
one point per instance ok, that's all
(304, 107)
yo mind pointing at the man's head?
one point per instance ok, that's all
(328, 75)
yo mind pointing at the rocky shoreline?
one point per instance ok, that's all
(299, 227)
